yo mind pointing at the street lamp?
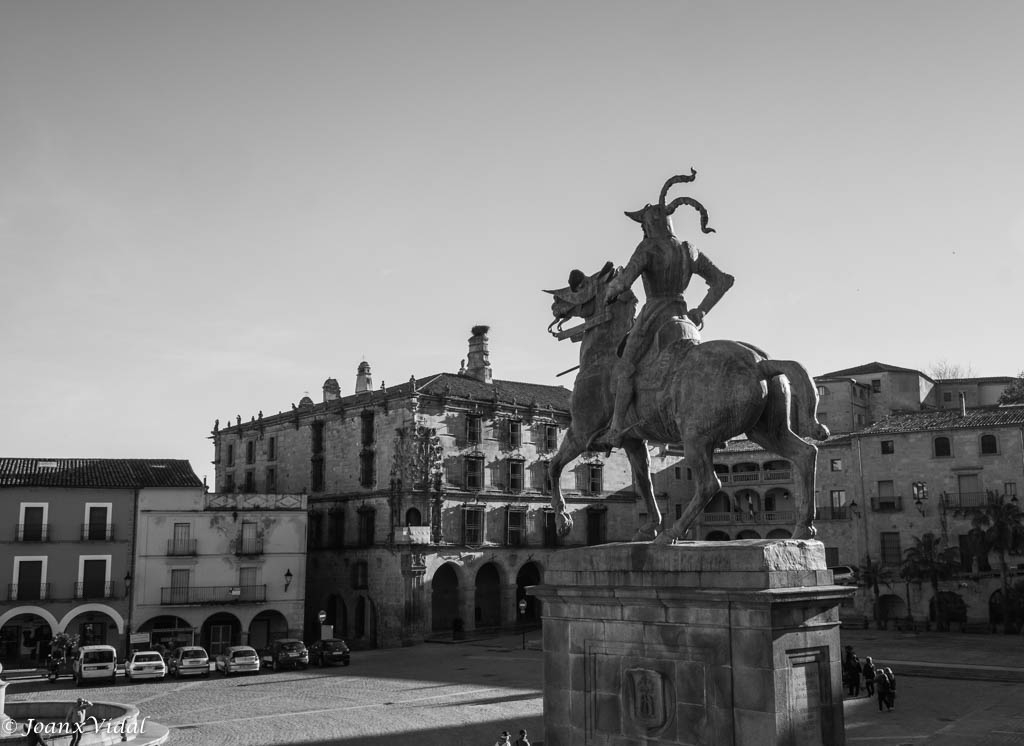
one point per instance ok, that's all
(522, 619)
(287, 579)
(920, 496)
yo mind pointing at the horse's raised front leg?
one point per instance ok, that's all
(570, 449)
(640, 460)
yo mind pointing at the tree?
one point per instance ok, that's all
(1001, 524)
(930, 559)
(870, 575)
(944, 370)
(1014, 393)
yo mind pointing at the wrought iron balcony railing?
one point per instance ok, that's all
(888, 504)
(97, 532)
(32, 532)
(213, 594)
(94, 590)
(965, 499)
(28, 592)
(181, 547)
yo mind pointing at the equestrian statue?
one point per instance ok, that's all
(650, 378)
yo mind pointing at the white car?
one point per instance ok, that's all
(188, 660)
(843, 575)
(238, 659)
(148, 664)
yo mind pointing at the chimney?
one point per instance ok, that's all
(963, 404)
(332, 390)
(479, 362)
(364, 381)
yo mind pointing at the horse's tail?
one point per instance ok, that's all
(805, 393)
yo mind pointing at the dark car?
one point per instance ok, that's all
(327, 651)
(285, 653)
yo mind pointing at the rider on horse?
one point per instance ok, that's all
(666, 265)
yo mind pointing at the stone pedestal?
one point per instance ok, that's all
(698, 643)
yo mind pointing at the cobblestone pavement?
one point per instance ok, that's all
(455, 695)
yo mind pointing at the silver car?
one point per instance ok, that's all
(238, 659)
(190, 660)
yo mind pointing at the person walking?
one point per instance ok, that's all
(505, 739)
(882, 689)
(522, 740)
(891, 677)
(853, 676)
(868, 669)
(75, 718)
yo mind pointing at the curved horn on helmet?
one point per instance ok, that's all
(696, 206)
(637, 215)
(681, 179)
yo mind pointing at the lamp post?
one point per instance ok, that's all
(522, 619)
(287, 579)
(920, 496)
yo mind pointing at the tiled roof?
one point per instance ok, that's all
(743, 445)
(986, 379)
(117, 473)
(875, 367)
(948, 419)
(445, 384)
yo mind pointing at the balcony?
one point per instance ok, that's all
(97, 532)
(723, 477)
(831, 513)
(32, 532)
(765, 516)
(249, 547)
(889, 504)
(779, 475)
(745, 476)
(94, 590)
(28, 592)
(413, 535)
(181, 547)
(213, 594)
(965, 499)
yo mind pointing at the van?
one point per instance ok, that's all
(94, 662)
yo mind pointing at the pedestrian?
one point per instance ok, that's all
(505, 739)
(892, 687)
(868, 669)
(522, 740)
(882, 689)
(853, 676)
(75, 718)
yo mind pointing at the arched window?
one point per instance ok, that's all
(989, 444)
(942, 447)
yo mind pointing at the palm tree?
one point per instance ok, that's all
(930, 559)
(870, 575)
(1001, 523)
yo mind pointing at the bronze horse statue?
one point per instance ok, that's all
(703, 395)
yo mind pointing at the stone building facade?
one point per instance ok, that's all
(428, 501)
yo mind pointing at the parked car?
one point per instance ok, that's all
(331, 650)
(238, 659)
(189, 660)
(145, 664)
(843, 575)
(94, 662)
(285, 653)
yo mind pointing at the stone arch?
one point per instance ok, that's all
(717, 536)
(413, 517)
(487, 596)
(44, 614)
(28, 633)
(268, 625)
(779, 533)
(720, 502)
(529, 574)
(444, 598)
(219, 631)
(364, 622)
(748, 533)
(337, 614)
(746, 501)
(168, 630)
(952, 603)
(891, 607)
(96, 608)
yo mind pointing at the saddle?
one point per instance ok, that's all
(670, 342)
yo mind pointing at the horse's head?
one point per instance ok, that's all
(583, 296)
(656, 219)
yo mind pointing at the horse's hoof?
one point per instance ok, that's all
(645, 534)
(564, 524)
(664, 538)
(805, 532)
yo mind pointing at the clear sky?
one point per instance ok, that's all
(208, 208)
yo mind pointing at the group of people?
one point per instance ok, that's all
(877, 680)
(505, 739)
